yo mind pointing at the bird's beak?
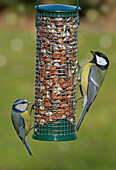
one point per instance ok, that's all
(93, 52)
(29, 102)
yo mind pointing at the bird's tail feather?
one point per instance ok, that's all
(81, 117)
(27, 146)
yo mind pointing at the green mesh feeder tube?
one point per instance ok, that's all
(56, 72)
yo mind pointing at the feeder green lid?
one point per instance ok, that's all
(58, 8)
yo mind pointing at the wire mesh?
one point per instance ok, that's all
(56, 74)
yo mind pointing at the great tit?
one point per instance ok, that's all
(91, 80)
(21, 120)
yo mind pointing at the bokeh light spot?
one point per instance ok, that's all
(16, 44)
(92, 16)
(105, 41)
(11, 18)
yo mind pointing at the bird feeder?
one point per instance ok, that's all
(56, 72)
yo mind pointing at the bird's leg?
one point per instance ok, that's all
(32, 108)
(31, 128)
(79, 80)
(79, 73)
(80, 98)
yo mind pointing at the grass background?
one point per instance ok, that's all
(95, 147)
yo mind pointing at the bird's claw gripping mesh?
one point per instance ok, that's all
(56, 77)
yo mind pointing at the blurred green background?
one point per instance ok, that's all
(95, 147)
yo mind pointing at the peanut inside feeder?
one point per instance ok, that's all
(56, 72)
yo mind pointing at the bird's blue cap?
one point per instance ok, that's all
(21, 99)
(18, 100)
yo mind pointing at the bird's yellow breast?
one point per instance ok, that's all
(27, 119)
(84, 76)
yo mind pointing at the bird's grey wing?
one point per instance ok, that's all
(21, 128)
(95, 80)
(19, 124)
(15, 120)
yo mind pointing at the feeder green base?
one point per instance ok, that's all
(54, 138)
(61, 130)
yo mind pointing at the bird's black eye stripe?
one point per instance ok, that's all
(23, 102)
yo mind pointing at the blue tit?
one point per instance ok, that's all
(21, 120)
(91, 80)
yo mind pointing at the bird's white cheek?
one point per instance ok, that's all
(21, 107)
(101, 61)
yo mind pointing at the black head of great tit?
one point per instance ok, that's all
(92, 78)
